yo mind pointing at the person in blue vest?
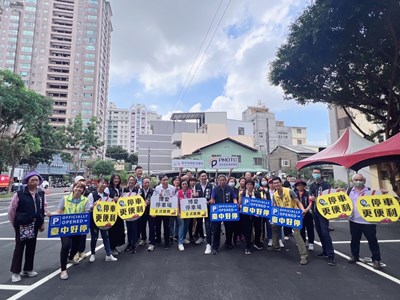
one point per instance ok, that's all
(99, 195)
(26, 214)
(222, 193)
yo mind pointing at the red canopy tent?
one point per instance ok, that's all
(348, 143)
(386, 151)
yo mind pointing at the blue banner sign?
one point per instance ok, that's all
(288, 217)
(69, 224)
(224, 212)
(256, 207)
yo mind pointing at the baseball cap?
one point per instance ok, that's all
(79, 178)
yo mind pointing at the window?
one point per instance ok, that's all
(25, 66)
(90, 48)
(28, 32)
(30, 8)
(26, 57)
(299, 130)
(299, 142)
(92, 17)
(240, 130)
(26, 49)
(89, 63)
(239, 157)
(261, 135)
(285, 163)
(88, 71)
(90, 55)
(90, 32)
(257, 161)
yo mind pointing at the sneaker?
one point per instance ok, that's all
(128, 248)
(110, 258)
(133, 250)
(29, 273)
(119, 251)
(286, 238)
(258, 246)
(303, 261)
(322, 255)
(82, 255)
(272, 248)
(331, 229)
(376, 265)
(150, 248)
(281, 244)
(185, 241)
(247, 252)
(331, 261)
(199, 241)
(92, 258)
(310, 247)
(15, 277)
(180, 247)
(114, 252)
(208, 249)
(64, 275)
(73, 261)
(167, 247)
(270, 243)
(142, 243)
(353, 260)
(214, 252)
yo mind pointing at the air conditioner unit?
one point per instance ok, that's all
(285, 163)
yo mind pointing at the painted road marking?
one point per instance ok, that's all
(364, 242)
(14, 287)
(365, 266)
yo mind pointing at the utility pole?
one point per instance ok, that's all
(148, 161)
(267, 143)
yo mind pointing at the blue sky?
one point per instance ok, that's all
(205, 56)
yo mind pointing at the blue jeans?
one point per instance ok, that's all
(173, 227)
(322, 227)
(94, 234)
(131, 227)
(183, 226)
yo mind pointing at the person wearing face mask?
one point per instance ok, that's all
(321, 223)
(358, 226)
(236, 226)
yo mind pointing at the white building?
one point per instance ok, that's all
(125, 124)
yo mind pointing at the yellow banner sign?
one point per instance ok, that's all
(378, 208)
(131, 208)
(163, 206)
(193, 208)
(334, 206)
(104, 214)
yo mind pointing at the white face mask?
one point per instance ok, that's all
(264, 183)
(231, 184)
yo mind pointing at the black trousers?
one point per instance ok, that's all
(369, 231)
(238, 230)
(29, 246)
(248, 223)
(199, 228)
(117, 234)
(69, 247)
(216, 234)
(287, 231)
(165, 222)
(142, 224)
(308, 224)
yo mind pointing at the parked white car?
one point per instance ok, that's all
(45, 184)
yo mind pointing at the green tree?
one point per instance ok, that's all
(132, 158)
(346, 53)
(103, 167)
(117, 153)
(81, 142)
(23, 113)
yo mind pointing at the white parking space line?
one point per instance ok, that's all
(365, 242)
(365, 266)
(5, 214)
(30, 288)
(40, 239)
(11, 287)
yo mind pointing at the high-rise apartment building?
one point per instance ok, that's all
(61, 49)
(125, 124)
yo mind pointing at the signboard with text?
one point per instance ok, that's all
(378, 208)
(287, 217)
(193, 208)
(105, 214)
(256, 207)
(224, 212)
(224, 162)
(131, 208)
(68, 224)
(187, 163)
(336, 205)
(163, 205)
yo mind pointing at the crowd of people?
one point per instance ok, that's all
(27, 212)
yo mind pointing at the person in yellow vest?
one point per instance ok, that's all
(71, 204)
(285, 197)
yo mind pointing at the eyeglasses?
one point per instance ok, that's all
(358, 180)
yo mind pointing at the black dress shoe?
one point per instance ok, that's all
(128, 249)
(353, 260)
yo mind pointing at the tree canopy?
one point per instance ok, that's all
(117, 153)
(345, 53)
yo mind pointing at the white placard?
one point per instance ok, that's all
(225, 162)
(187, 163)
